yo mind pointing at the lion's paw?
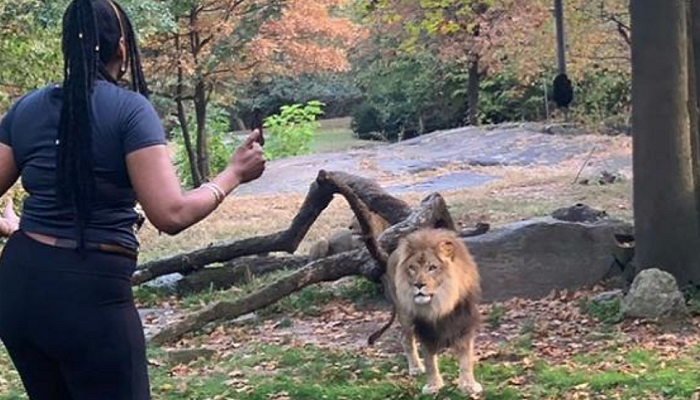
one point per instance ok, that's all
(432, 388)
(471, 388)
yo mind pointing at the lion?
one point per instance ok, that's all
(434, 284)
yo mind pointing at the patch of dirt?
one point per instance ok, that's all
(552, 329)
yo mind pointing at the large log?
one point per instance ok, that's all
(432, 212)
(236, 272)
(324, 270)
(320, 195)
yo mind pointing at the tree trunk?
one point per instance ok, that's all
(694, 87)
(200, 107)
(473, 90)
(665, 205)
(182, 119)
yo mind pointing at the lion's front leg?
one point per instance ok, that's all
(435, 382)
(415, 365)
(467, 383)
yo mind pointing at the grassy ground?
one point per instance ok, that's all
(555, 348)
(336, 135)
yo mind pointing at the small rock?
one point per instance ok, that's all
(168, 282)
(654, 294)
(186, 356)
(562, 129)
(579, 213)
(608, 178)
(245, 319)
(605, 297)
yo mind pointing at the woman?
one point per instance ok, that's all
(86, 150)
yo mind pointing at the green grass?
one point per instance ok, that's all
(646, 374)
(692, 296)
(607, 312)
(307, 301)
(496, 315)
(335, 135)
(263, 371)
(150, 296)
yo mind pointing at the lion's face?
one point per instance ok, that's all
(425, 272)
(429, 277)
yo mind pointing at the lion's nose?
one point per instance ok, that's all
(420, 285)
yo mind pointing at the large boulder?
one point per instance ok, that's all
(654, 294)
(531, 258)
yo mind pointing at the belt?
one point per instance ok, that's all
(73, 245)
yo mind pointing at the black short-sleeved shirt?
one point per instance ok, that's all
(124, 121)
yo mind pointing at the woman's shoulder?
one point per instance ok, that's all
(122, 95)
(129, 104)
(34, 95)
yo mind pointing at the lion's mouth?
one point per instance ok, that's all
(422, 298)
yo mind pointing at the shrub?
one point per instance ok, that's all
(290, 132)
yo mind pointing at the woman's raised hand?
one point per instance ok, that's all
(248, 161)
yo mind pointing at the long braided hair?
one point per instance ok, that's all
(92, 33)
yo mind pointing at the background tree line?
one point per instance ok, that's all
(399, 68)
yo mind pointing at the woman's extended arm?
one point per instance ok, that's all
(158, 189)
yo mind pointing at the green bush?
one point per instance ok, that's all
(365, 122)
(337, 91)
(603, 98)
(290, 132)
(503, 98)
(408, 96)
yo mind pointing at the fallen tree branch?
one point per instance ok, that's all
(362, 213)
(237, 272)
(480, 229)
(392, 209)
(432, 212)
(324, 270)
(318, 198)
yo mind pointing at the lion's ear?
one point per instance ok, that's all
(446, 249)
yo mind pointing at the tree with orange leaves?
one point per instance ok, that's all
(218, 43)
(473, 32)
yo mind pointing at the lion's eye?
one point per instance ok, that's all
(412, 269)
(433, 268)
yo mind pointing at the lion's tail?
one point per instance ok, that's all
(376, 335)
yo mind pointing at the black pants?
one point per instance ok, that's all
(69, 323)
